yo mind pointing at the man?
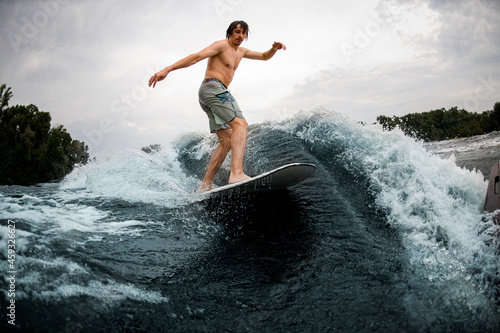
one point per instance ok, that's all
(224, 114)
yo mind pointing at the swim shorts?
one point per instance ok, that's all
(219, 105)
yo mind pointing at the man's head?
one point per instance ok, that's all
(241, 25)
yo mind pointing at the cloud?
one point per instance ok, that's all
(469, 29)
(87, 62)
(412, 57)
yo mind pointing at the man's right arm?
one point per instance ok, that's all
(190, 60)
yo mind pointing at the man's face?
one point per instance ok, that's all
(238, 35)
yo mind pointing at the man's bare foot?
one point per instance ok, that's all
(238, 178)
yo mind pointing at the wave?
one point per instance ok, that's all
(426, 197)
(138, 198)
(435, 206)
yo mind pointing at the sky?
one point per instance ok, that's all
(88, 62)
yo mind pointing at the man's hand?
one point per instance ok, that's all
(278, 46)
(157, 77)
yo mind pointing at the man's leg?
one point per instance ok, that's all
(238, 144)
(217, 158)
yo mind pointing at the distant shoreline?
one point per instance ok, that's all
(478, 152)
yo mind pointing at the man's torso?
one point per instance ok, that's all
(223, 65)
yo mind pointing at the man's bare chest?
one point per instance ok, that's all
(229, 60)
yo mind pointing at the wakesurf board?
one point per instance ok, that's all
(277, 179)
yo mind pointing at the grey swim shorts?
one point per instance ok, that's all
(218, 103)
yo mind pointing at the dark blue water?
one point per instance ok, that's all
(385, 237)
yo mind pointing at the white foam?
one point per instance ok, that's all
(108, 292)
(72, 279)
(51, 214)
(435, 205)
(46, 276)
(57, 215)
(135, 176)
(21, 240)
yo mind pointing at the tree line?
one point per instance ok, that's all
(31, 151)
(444, 124)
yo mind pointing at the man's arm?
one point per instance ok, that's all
(190, 60)
(264, 55)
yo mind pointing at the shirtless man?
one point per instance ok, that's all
(224, 114)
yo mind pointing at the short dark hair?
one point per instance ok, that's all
(233, 26)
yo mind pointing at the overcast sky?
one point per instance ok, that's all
(88, 62)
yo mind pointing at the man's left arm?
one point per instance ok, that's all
(264, 55)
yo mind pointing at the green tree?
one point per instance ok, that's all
(5, 95)
(387, 123)
(31, 151)
(444, 124)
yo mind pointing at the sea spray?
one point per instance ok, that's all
(136, 176)
(435, 205)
